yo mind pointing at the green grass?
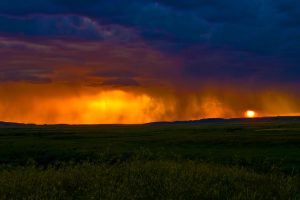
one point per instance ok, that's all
(275, 143)
(252, 160)
(145, 180)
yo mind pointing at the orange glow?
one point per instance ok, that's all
(118, 107)
(56, 104)
(250, 114)
(107, 107)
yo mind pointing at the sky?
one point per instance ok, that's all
(138, 61)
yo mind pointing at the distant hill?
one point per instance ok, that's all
(14, 124)
(234, 120)
(10, 124)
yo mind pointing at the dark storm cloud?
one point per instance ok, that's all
(31, 75)
(120, 82)
(226, 65)
(63, 26)
(114, 74)
(266, 32)
(241, 24)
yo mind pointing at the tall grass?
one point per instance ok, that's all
(144, 180)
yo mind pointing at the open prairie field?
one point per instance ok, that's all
(246, 160)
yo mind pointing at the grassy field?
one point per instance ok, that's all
(251, 160)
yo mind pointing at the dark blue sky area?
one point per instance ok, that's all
(255, 42)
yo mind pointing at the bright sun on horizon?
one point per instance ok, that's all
(250, 114)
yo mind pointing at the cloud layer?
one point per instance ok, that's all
(213, 49)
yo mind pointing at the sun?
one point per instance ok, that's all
(250, 114)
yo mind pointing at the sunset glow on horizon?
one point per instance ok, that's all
(117, 106)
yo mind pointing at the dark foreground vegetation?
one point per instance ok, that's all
(145, 180)
(244, 160)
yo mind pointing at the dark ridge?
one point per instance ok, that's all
(233, 120)
(201, 121)
(10, 124)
